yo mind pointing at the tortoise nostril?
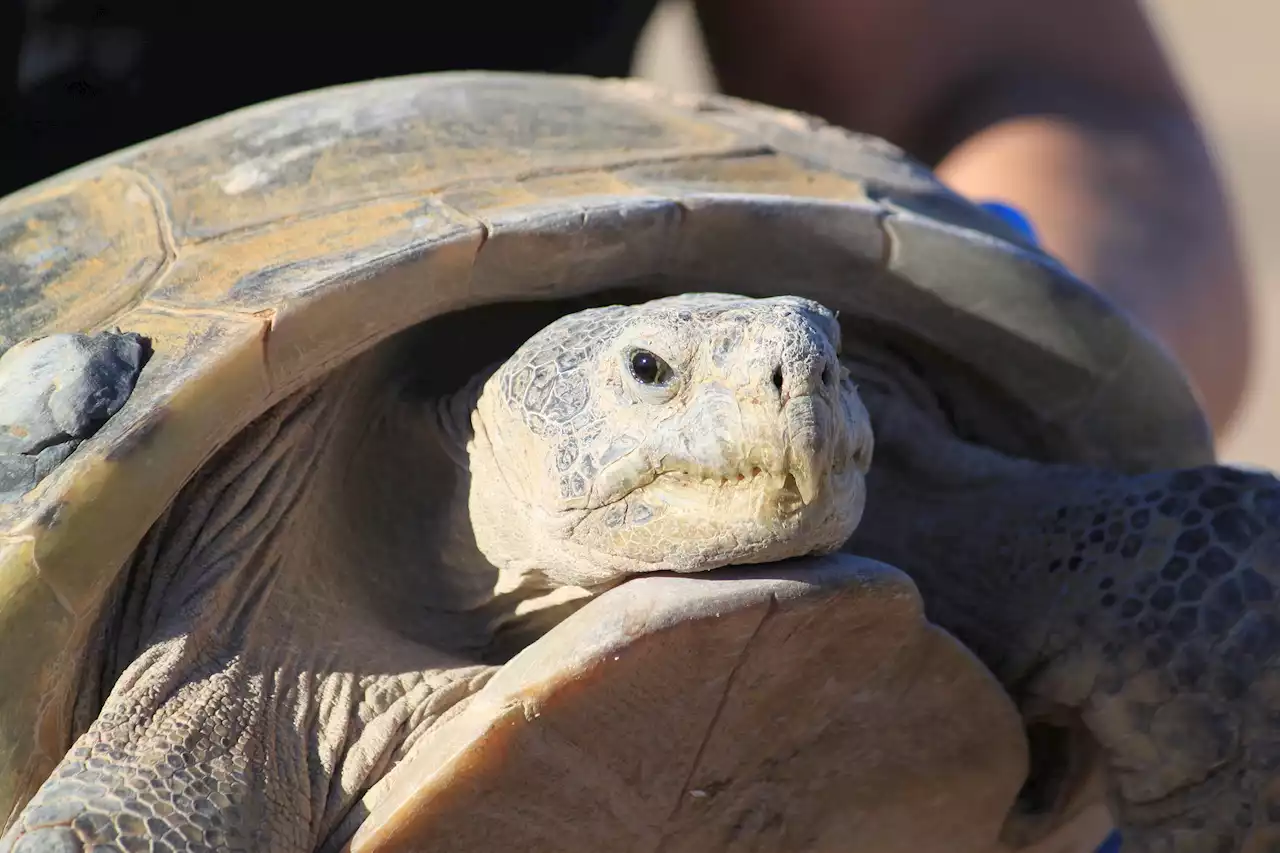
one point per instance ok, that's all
(826, 374)
(777, 378)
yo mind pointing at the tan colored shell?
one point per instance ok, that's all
(259, 250)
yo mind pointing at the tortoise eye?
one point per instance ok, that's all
(649, 369)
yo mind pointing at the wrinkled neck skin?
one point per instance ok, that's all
(523, 605)
(975, 528)
(978, 531)
(1007, 552)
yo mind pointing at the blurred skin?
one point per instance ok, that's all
(1069, 111)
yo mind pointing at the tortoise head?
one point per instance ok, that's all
(681, 435)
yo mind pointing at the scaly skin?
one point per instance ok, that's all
(1147, 603)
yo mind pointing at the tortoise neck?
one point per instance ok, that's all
(453, 415)
(993, 541)
(1058, 576)
(987, 556)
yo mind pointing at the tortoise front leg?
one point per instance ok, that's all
(251, 709)
(1185, 648)
(227, 762)
(261, 748)
(1146, 603)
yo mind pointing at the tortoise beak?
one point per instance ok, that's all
(806, 456)
(635, 725)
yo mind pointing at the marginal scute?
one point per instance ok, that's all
(261, 268)
(766, 174)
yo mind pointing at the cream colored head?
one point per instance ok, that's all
(681, 435)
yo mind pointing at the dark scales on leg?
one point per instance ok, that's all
(1146, 605)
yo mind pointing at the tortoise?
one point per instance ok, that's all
(474, 459)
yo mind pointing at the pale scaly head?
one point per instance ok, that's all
(683, 434)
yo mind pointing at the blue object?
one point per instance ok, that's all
(1112, 844)
(1012, 216)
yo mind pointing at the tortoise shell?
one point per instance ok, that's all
(257, 251)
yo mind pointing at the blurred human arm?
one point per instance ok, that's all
(1069, 111)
